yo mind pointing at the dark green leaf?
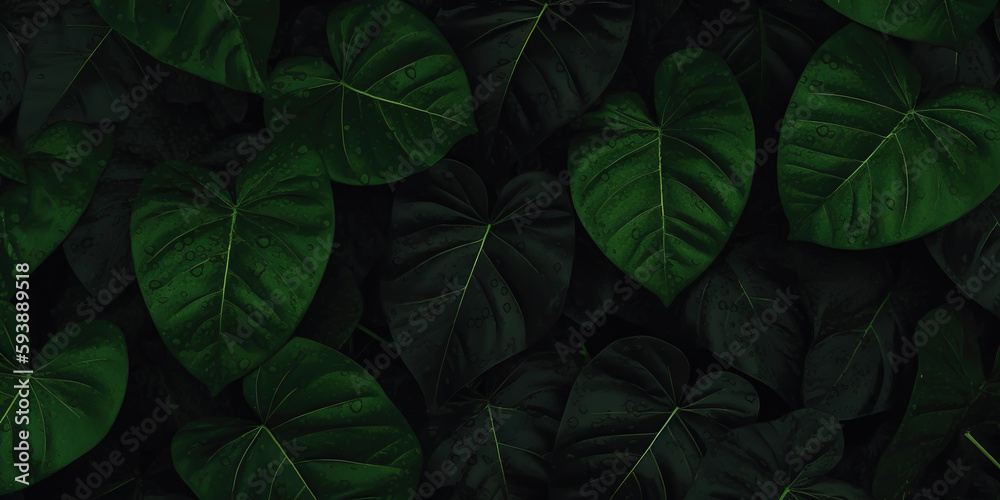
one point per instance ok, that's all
(967, 251)
(746, 312)
(519, 408)
(227, 277)
(631, 415)
(940, 22)
(74, 395)
(37, 217)
(953, 392)
(224, 42)
(784, 458)
(473, 285)
(98, 248)
(79, 70)
(856, 131)
(655, 190)
(323, 429)
(389, 106)
(535, 66)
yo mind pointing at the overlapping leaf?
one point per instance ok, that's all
(215, 267)
(954, 390)
(632, 418)
(225, 42)
(74, 395)
(473, 285)
(658, 192)
(391, 104)
(784, 458)
(535, 65)
(323, 429)
(865, 162)
(941, 22)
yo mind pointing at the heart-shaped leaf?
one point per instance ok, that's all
(519, 409)
(655, 190)
(473, 285)
(79, 70)
(953, 392)
(224, 42)
(35, 218)
(855, 130)
(73, 396)
(535, 65)
(784, 458)
(632, 418)
(390, 105)
(748, 314)
(323, 429)
(214, 267)
(940, 22)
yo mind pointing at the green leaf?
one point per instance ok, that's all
(466, 286)
(323, 430)
(227, 277)
(856, 130)
(784, 458)
(767, 46)
(655, 191)
(79, 70)
(953, 392)
(518, 408)
(852, 372)
(631, 413)
(218, 41)
(940, 22)
(36, 217)
(73, 399)
(98, 248)
(967, 251)
(388, 106)
(745, 311)
(535, 66)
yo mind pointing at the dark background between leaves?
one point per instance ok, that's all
(195, 118)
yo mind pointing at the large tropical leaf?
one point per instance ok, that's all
(941, 22)
(656, 191)
(225, 42)
(473, 285)
(767, 48)
(863, 163)
(535, 66)
(75, 393)
(322, 430)
(967, 251)
(519, 408)
(953, 392)
(747, 312)
(36, 217)
(631, 414)
(785, 458)
(389, 106)
(214, 266)
(79, 70)
(98, 248)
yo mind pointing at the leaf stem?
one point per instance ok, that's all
(371, 334)
(968, 436)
